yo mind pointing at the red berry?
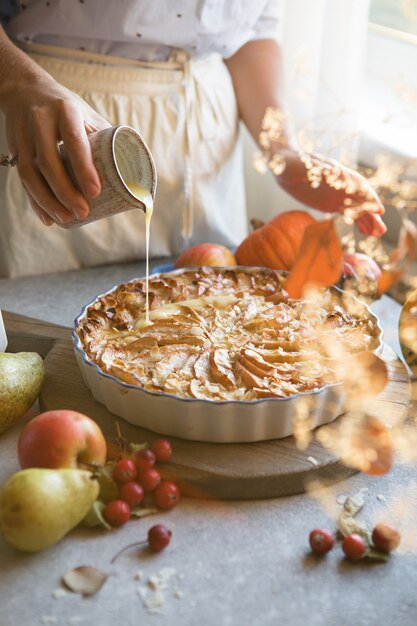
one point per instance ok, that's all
(354, 547)
(117, 513)
(321, 540)
(144, 459)
(162, 449)
(159, 537)
(149, 479)
(132, 493)
(166, 495)
(124, 471)
(385, 537)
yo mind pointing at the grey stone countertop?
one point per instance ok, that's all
(233, 563)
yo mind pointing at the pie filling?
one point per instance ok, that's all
(225, 334)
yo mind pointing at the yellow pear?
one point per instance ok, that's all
(21, 377)
(39, 506)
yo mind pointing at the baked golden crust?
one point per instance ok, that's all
(224, 334)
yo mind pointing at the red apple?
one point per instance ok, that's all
(211, 254)
(61, 439)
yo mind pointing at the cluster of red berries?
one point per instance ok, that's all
(385, 538)
(137, 475)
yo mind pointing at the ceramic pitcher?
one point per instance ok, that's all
(123, 161)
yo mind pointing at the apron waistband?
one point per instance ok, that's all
(175, 61)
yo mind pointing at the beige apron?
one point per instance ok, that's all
(186, 110)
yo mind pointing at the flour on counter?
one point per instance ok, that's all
(59, 593)
(152, 594)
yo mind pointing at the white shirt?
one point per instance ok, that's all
(143, 29)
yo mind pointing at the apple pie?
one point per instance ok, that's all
(224, 334)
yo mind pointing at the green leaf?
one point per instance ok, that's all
(95, 517)
(108, 488)
(372, 553)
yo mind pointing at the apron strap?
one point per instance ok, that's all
(184, 60)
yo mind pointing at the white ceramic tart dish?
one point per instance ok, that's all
(226, 357)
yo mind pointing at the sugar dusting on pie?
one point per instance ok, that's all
(223, 334)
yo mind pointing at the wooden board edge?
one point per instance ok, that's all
(26, 334)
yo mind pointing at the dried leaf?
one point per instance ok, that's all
(347, 524)
(95, 517)
(85, 580)
(353, 504)
(137, 447)
(318, 260)
(141, 512)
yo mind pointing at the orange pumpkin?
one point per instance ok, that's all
(275, 244)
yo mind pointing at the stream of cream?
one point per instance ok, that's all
(145, 196)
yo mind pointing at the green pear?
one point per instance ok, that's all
(39, 506)
(21, 377)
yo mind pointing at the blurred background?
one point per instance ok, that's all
(351, 93)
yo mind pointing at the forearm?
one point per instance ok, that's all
(16, 70)
(257, 75)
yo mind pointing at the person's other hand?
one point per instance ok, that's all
(329, 186)
(38, 117)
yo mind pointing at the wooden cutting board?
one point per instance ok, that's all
(226, 471)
